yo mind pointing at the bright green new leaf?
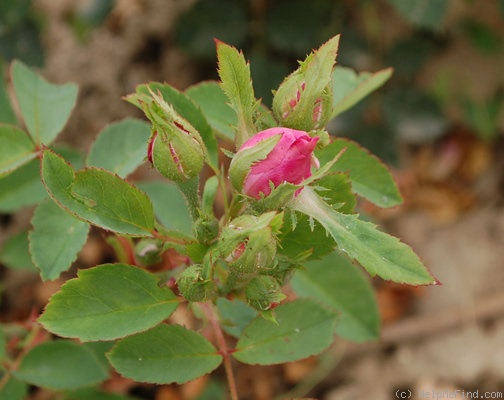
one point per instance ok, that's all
(303, 328)
(16, 148)
(176, 216)
(165, 354)
(14, 253)
(349, 88)
(98, 197)
(234, 73)
(121, 147)
(56, 239)
(108, 302)
(188, 110)
(45, 107)
(379, 253)
(213, 103)
(61, 365)
(335, 282)
(370, 177)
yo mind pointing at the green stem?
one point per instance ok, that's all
(190, 190)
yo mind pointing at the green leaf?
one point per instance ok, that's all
(188, 110)
(176, 216)
(164, 354)
(95, 394)
(379, 253)
(336, 283)
(423, 13)
(235, 315)
(121, 147)
(303, 328)
(309, 239)
(22, 188)
(370, 177)
(336, 189)
(234, 73)
(14, 253)
(98, 197)
(13, 390)
(7, 115)
(349, 88)
(45, 107)
(16, 148)
(61, 365)
(213, 103)
(108, 302)
(55, 240)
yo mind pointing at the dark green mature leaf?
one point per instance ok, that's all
(234, 73)
(16, 148)
(164, 354)
(45, 107)
(213, 103)
(335, 282)
(169, 204)
(379, 253)
(60, 232)
(303, 328)
(61, 365)
(423, 13)
(14, 253)
(349, 87)
(121, 147)
(108, 302)
(98, 197)
(370, 177)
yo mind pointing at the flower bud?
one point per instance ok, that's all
(255, 254)
(206, 229)
(289, 160)
(175, 149)
(263, 291)
(297, 108)
(193, 287)
(148, 251)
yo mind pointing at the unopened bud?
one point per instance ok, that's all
(148, 251)
(192, 285)
(263, 291)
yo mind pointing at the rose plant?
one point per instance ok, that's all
(261, 251)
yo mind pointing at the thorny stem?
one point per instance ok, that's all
(223, 349)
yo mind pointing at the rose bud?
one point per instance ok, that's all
(263, 291)
(175, 149)
(270, 158)
(192, 285)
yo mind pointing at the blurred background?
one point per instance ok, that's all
(438, 123)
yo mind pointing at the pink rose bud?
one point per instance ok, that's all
(263, 161)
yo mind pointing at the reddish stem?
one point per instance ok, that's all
(223, 349)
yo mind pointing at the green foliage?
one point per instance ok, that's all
(61, 373)
(57, 230)
(121, 147)
(108, 302)
(45, 107)
(235, 315)
(164, 354)
(423, 13)
(14, 390)
(14, 253)
(337, 284)
(97, 196)
(301, 328)
(16, 148)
